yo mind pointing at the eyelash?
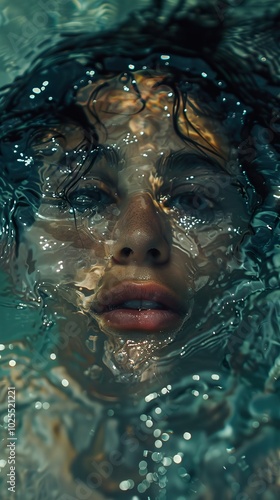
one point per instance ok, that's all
(93, 198)
(193, 201)
(81, 201)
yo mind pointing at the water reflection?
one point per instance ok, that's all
(140, 314)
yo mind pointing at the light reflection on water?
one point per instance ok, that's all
(203, 419)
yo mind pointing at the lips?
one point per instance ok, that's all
(139, 307)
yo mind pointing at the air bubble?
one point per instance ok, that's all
(156, 457)
(158, 443)
(177, 459)
(165, 436)
(141, 488)
(126, 485)
(143, 465)
(167, 461)
(150, 397)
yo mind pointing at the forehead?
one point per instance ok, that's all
(151, 108)
(138, 120)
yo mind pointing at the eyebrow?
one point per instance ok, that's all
(94, 156)
(111, 156)
(168, 165)
(88, 165)
(182, 162)
(174, 162)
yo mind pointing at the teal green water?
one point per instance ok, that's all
(200, 419)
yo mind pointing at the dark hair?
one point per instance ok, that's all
(45, 97)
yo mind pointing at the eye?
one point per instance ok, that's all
(91, 198)
(52, 206)
(191, 200)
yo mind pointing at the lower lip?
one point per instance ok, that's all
(152, 320)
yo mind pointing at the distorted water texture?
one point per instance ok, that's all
(187, 413)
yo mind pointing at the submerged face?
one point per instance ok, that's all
(136, 222)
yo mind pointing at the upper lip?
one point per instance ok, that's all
(127, 291)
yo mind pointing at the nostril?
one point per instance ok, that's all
(154, 252)
(126, 252)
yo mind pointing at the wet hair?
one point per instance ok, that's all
(44, 98)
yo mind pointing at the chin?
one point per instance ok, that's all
(137, 360)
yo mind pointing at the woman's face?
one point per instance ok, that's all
(134, 239)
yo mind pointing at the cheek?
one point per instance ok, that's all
(208, 251)
(62, 253)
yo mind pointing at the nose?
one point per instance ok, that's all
(142, 235)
